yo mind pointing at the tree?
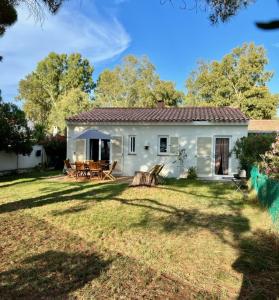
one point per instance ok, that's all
(69, 104)
(221, 10)
(15, 135)
(248, 150)
(53, 79)
(134, 83)
(8, 10)
(238, 80)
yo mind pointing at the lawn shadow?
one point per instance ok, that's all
(259, 263)
(50, 274)
(183, 220)
(16, 179)
(86, 193)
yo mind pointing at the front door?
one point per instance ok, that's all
(222, 153)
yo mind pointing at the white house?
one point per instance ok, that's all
(138, 138)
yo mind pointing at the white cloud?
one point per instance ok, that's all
(78, 28)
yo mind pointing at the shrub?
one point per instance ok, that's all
(55, 147)
(270, 160)
(249, 149)
(192, 173)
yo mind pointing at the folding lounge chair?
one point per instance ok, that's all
(108, 174)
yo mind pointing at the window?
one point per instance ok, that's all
(168, 145)
(163, 144)
(132, 144)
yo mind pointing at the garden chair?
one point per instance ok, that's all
(80, 169)
(108, 173)
(68, 168)
(95, 169)
(149, 178)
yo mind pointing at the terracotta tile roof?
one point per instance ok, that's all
(263, 126)
(183, 114)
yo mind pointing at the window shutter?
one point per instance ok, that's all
(80, 150)
(174, 145)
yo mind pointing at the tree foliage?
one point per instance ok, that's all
(221, 10)
(47, 91)
(249, 149)
(134, 83)
(8, 10)
(238, 80)
(270, 160)
(15, 135)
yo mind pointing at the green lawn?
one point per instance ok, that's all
(182, 240)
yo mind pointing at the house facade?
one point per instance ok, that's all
(179, 138)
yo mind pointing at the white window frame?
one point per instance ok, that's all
(159, 145)
(230, 157)
(130, 145)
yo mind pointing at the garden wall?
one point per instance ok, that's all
(268, 192)
(10, 161)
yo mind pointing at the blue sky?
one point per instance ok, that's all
(106, 30)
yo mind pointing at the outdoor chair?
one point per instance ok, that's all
(108, 173)
(95, 169)
(80, 169)
(68, 168)
(149, 178)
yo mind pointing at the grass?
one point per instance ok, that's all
(185, 239)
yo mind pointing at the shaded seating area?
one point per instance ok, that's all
(149, 178)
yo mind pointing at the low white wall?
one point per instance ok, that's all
(10, 161)
(148, 134)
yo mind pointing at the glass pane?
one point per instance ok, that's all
(132, 144)
(105, 146)
(163, 144)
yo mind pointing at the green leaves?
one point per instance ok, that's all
(55, 77)
(238, 80)
(15, 135)
(135, 83)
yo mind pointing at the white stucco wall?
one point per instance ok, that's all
(147, 134)
(9, 161)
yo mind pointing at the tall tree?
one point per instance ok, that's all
(53, 79)
(15, 134)
(134, 83)
(238, 80)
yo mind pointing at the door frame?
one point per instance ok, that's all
(214, 158)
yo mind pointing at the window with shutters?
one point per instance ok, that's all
(163, 144)
(132, 144)
(167, 145)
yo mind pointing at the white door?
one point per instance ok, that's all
(117, 153)
(204, 156)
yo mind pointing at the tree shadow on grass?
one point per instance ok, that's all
(96, 192)
(183, 220)
(259, 263)
(50, 274)
(17, 179)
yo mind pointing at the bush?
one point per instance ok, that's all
(192, 173)
(270, 160)
(55, 147)
(249, 149)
